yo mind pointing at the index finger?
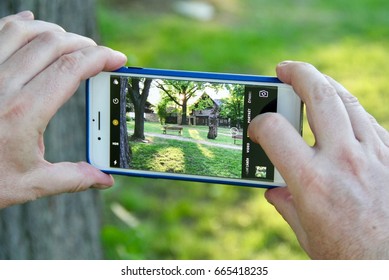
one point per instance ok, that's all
(51, 88)
(18, 32)
(25, 15)
(326, 112)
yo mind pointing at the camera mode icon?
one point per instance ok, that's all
(263, 93)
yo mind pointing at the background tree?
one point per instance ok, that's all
(180, 92)
(162, 110)
(204, 102)
(65, 226)
(139, 92)
(232, 107)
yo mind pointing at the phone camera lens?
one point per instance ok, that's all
(98, 138)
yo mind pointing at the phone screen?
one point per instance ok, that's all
(188, 127)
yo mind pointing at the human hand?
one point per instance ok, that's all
(41, 66)
(336, 199)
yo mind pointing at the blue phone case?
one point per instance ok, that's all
(198, 75)
(193, 75)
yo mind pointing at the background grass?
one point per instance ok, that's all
(160, 219)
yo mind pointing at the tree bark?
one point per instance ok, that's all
(125, 159)
(213, 123)
(139, 97)
(65, 226)
(184, 110)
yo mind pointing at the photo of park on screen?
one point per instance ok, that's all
(182, 109)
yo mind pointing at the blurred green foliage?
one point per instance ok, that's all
(161, 219)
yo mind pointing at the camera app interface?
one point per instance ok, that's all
(188, 127)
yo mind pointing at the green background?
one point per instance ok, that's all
(162, 219)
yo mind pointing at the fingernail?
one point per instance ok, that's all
(284, 62)
(26, 14)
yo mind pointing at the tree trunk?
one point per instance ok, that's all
(139, 130)
(125, 158)
(65, 226)
(184, 111)
(138, 96)
(213, 123)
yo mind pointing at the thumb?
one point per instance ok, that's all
(283, 145)
(56, 178)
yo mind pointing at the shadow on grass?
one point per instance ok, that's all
(179, 156)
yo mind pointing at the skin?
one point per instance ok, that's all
(41, 66)
(336, 199)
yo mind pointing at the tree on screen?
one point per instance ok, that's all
(180, 92)
(232, 107)
(138, 89)
(125, 149)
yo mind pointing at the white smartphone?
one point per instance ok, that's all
(184, 125)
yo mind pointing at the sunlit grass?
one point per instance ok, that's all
(169, 159)
(194, 134)
(177, 156)
(206, 152)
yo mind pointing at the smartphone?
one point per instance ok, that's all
(184, 125)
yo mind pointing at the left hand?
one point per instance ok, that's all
(41, 66)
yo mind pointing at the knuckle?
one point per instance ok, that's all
(349, 99)
(14, 27)
(351, 160)
(14, 17)
(323, 92)
(15, 110)
(69, 63)
(50, 37)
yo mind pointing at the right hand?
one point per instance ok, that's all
(337, 194)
